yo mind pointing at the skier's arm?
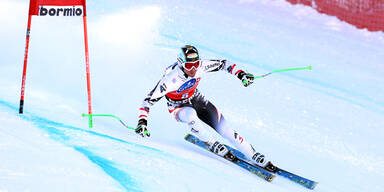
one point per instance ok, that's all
(218, 65)
(154, 96)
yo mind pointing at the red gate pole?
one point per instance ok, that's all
(87, 68)
(21, 108)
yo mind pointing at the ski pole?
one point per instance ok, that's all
(281, 70)
(107, 115)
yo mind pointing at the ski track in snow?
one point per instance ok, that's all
(58, 131)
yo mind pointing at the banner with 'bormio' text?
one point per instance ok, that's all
(57, 7)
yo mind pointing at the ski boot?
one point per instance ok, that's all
(219, 149)
(260, 160)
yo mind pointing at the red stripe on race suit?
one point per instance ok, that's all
(238, 72)
(172, 110)
(142, 116)
(233, 68)
(175, 112)
(144, 110)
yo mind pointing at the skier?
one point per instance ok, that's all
(185, 102)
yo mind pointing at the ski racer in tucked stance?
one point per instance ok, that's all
(185, 102)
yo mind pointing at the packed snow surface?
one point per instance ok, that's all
(325, 124)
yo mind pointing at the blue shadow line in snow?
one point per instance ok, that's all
(56, 133)
(43, 121)
(378, 109)
(365, 102)
(59, 135)
(39, 121)
(107, 166)
(110, 168)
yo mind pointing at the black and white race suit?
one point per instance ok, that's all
(189, 106)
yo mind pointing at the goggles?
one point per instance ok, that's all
(190, 65)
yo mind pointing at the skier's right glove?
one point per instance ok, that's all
(246, 78)
(142, 128)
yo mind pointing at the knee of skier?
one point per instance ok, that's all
(187, 115)
(222, 127)
(228, 133)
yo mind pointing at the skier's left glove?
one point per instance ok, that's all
(246, 78)
(142, 128)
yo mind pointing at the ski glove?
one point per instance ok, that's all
(246, 78)
(142, 128)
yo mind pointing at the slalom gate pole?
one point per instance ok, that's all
(21, 108)
(282, 70)
(90, 122)
(108, 115)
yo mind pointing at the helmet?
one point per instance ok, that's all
(189, 57)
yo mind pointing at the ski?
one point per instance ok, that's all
(293, 177)
(239, 159)
(260, 172)
(297, 179)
